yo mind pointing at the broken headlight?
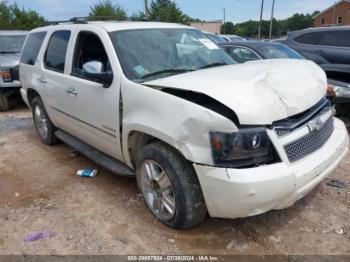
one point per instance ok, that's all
(338, 91)
(247, 148)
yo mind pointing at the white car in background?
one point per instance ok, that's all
(163, 103)
(230, 38)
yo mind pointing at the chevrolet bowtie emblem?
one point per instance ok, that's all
(315, 125)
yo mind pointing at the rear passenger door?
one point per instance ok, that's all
(52, 80)
(335, 46)
(93, 109)
(308, 45)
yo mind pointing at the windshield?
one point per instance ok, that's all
(149, 54)
(278, 51)
(11, 43)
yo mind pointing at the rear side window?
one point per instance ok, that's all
(55, 56)
(32, 47)
(336, 38)
(310, 38)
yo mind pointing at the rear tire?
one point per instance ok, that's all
(4, 103)
(170, 186)
(44, 127)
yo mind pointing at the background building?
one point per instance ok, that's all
(211, 26)
(337, 14)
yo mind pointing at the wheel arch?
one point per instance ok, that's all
(31, 94)
(136, 139)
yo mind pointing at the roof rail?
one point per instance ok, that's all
(86, 19)
(74, 20)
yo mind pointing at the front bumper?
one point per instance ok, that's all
(24, 96)
(12, 84)
(232, 193)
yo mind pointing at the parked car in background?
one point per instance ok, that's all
(257, 50)
(338, 91)
(217, 39)
(163, 103)
(230, 38)
(330, 48)
(11, 43)
(327, 46)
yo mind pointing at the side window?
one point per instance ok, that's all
(242, 55)
(55, 56)
(336, 38)
(32, 47)
(309, 38)
(89, 48)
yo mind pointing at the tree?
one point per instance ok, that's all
(140, 16)
(280, 27)
(167, 11)
(228, 28)
(107, 10)
(5, 16)
(14, 18)
(26, 19)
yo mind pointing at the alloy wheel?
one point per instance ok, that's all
(157, 190)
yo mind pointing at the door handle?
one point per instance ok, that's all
(42, 80)
(71, 91)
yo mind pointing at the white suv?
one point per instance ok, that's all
(163, 103)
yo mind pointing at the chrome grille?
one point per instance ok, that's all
(309, 143)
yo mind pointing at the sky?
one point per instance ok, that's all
(236, 10)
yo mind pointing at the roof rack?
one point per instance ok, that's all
(86, 19)
(74, 20)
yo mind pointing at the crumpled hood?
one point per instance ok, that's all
(9, 60)
(260, 92)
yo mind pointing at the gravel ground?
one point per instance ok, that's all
(39, 191)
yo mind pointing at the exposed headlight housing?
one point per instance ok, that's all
(247, 148)
(338, 91)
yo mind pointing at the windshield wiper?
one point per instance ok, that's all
(213, 65)
(166, 71)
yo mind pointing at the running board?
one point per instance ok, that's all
(95, 155)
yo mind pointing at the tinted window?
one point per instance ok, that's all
(278, 51)
(309, 38)
(241, 54)
(336, 38)
(55, 56)
(32, 48)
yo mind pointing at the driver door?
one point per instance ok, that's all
(92, 107)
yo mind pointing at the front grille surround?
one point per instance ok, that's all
(289, 125)
(309, 143)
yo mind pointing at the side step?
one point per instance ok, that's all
(95, 155)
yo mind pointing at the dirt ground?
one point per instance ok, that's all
(106, 215)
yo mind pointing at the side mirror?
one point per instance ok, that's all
(94, 71)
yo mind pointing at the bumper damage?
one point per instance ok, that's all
(233, 193)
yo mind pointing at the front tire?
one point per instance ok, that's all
(44, 127)
(170, 186)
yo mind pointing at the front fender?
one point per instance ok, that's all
(178, 122)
